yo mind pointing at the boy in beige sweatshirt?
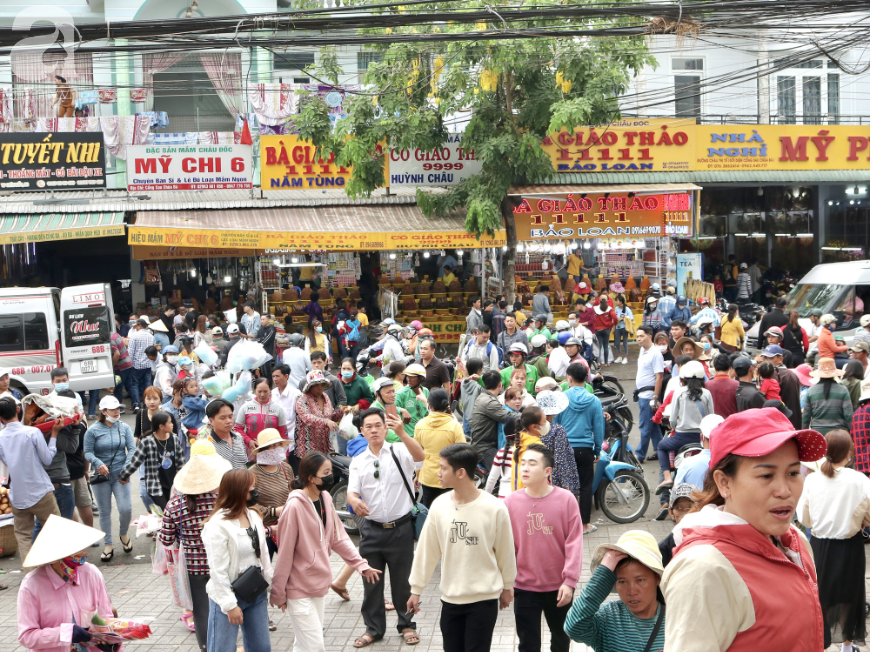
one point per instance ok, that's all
(470, 532)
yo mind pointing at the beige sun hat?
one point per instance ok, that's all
(827, 369)
(60, 537)
(201, 474)
(158, 325)
(268, 437)
(637, 544)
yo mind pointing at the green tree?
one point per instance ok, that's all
(507, 94)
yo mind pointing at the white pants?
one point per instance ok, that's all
(306, 616)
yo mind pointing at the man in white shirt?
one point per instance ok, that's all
(298, 361)
(285, 395)
(650, 372)
(482, 348)
(578, 330)
(378, 492)
(559, 360)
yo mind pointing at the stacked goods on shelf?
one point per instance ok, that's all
(696, 289)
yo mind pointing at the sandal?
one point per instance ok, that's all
(3, 587)
(342, 593)
(107, 556)
(667, 484)
(128, 547)
(411, 637)
(389, 606)
(187, 619)
(592, 528)
(272, 626)
(364, 641)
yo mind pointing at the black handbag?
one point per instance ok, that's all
(250, 584)
(96, 478)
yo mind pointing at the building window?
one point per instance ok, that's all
(687, 96)
(365, 59)
(187, 94)
(295, 60)
(812, 100)
(785, 100)
(833, 99)
(687, 64)
(33, 79)
(815, 63)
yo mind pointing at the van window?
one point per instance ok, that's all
(806, 296)
(26, 332)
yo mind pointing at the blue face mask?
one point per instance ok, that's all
(320, 329)
(346, 374)
(706, 346)
(61, 387)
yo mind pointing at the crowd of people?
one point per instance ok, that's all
(505, 497)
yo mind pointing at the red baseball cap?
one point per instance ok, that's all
(759, 432)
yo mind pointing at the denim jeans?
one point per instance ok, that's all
(620, 335)
(603, 345)
(126, 376)
(255, 627)
(146, 499)
(65, 503)
(141, 381)
(93, 398)
(650, 433)
(103, 492)
(674, 443)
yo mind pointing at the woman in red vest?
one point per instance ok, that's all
(742, 578)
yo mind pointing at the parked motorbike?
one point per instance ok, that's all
(341, 474)
(609, 387)
(618, 486)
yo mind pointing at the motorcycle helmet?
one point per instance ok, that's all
(518, 347)
(170, 349)
(380, 383)
(415, 370)
(417, 325)
(563, 337)
(296, 339)
(425, 332)
(539, 340)
(573, 341)
(389, 321)
(395, 330)
(562, 325)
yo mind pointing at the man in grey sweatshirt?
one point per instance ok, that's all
(488, 413)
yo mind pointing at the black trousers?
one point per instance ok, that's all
(430, 494)
(586, 470)
(528, 607)
(199, 597)
(160, 501)
(468, 627)
(382, 548)
(293, 461)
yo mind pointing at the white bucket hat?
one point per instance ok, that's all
(637, 544)
(60, 537)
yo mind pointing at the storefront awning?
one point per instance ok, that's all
(605, 186)
(334, 228)
(54, 227)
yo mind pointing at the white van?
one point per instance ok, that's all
(840, 289)
(31, 342)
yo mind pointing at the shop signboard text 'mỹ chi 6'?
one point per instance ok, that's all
(189, 167)
(52, 161)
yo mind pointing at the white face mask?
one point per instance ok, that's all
(171, 359)
(663, 348)
(544, 428)
(572, 323)
(111, 420)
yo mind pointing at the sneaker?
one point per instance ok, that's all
(95, 509)
(618, 360)
(625, 360)
(136, 409)
(123, 410)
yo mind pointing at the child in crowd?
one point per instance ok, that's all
(769, 385)
(681, 503)
(194, 404)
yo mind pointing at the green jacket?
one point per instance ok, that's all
(406, 398)
(392, 437)
(531, 377)
(357, 389)
(540, 364)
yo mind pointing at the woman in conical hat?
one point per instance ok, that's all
(52, 597)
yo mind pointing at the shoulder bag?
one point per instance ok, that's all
(656, 629)
(419, 511)
(250, 584)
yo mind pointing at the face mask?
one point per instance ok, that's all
(171, 359)
(320, 329)
(255, 496)
(663, 348)
(544, 429)
(706, 346)
(75, 560)
(326, 483)
(61, 387)
(111, 420)
(346, 374)
(572, 323)
(272, 457)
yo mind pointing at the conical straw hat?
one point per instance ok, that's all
(201, 474)
(60, 537)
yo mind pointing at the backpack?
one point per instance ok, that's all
(353, 334)
(489, 346)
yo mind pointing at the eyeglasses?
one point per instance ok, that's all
(377, 470)
(255, 539)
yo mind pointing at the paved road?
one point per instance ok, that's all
(135, 591)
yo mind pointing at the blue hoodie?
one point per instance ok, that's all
(195, 417)
(583, 419)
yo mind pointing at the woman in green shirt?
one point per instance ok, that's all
(635, 622)
(355, 388)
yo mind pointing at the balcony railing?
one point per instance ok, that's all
(775, 119)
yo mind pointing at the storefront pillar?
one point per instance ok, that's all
(137, 289)
(820, 199)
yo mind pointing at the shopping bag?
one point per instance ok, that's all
(346, 428)
(205, 354)
(158, 560)
(177, 570)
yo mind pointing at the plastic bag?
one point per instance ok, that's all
(178, 577)
(242, 387)
(148, 524)
(231, 315)
(247, 355)
(216, 385)
(205, 354)
(346, 427)
(158, 560)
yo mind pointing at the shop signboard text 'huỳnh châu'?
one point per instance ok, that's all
(52, 161)
(609, 215)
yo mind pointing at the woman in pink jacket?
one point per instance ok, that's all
(307, 532)
(605, 320)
